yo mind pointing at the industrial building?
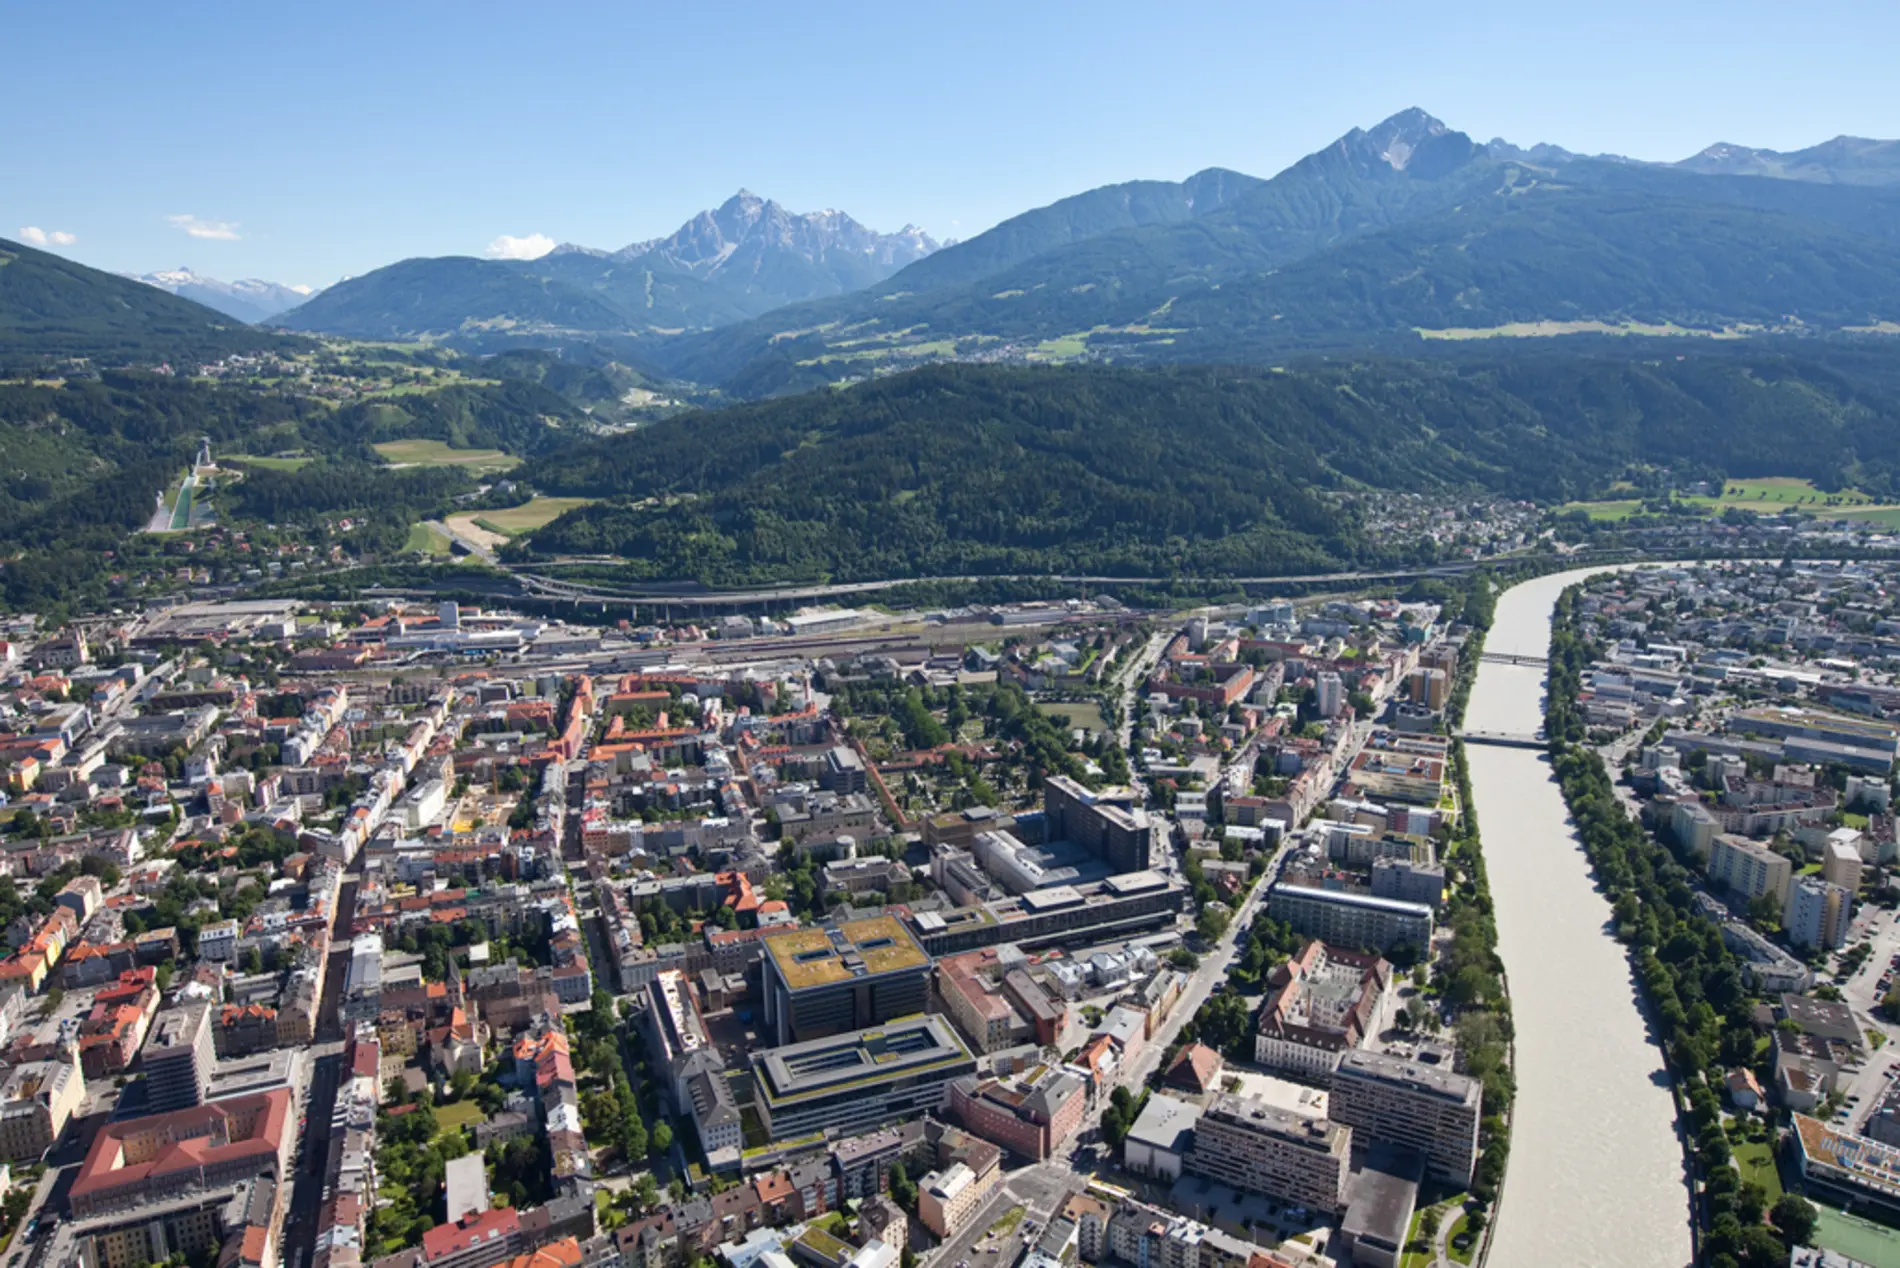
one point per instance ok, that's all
(1066, 913)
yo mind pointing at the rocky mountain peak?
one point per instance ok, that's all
(1396, 139)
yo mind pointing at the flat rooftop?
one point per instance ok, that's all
(1321, 1134)
(1387, 1068)
(808, 958)
(878, 1054)
(1347, 898)
(1382, 1194)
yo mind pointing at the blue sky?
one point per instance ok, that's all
(303, 143)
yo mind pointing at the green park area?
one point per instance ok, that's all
(457, 1115)
(1756, 1160)
(1072, 713)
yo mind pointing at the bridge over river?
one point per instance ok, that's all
(1505, 739)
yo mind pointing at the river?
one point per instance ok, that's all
(1596, 1170)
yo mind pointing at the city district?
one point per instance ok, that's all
(429, 936)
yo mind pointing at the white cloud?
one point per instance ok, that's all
(509, 247)
(46, 237)
(221, 230)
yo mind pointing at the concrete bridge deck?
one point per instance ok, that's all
(1505, 739)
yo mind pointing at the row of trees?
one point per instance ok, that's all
(1689, 977)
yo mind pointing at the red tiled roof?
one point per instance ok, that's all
(102, 1169)
(565, 1253)
(447, 1239)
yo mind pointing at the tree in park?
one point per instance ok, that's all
(1795, 1216)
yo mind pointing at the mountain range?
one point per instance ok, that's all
(744, 258)
(1396, 234)
(1385, 313)
(1846, 160)
(1405, 231)
(1403, 237)
(250, 300)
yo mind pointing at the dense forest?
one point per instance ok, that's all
(955, 470)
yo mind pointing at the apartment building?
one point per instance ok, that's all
(946, 1198)
(36, 1103)
(1421, 1107)
(1841, 864)
(1408, 881)
(691, 1063)
(1030, 1114)
(1246, 1143)
(1749, 869)
(1819, 913)
(972, 993)
(1348, 919)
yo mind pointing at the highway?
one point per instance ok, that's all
(543, 586)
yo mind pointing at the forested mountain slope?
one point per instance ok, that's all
(953, 470)
(51, 308)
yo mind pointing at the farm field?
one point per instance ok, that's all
(269, 464)
(1767, 495)
(427, 540)
(535, 513)
(434, 453)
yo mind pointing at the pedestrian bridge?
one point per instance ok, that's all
(1512, 658)
(1505, 739)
